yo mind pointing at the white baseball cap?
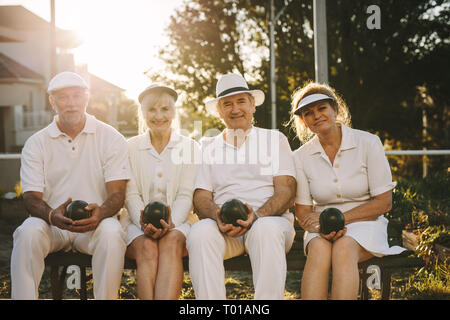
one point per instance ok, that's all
(157, 87)
(231, 84)
(66, 79)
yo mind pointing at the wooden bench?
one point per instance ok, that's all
(295, 262)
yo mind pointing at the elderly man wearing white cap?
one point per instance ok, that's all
(76, 157)
(255, 166)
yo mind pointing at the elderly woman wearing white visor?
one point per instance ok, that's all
(163, 170)
(344, 168)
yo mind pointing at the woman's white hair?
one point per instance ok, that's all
(151, 99)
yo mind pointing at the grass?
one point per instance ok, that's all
(239, 286)
(406, 284)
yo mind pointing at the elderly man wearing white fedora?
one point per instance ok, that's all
(255, 166)
(76, 157)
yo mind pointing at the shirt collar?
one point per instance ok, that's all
(220, 141)
(348, 138)
(347, 142)
(146, 142)
(89, 127)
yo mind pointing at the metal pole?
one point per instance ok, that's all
(424, 138)
(320, 41)
(52, 40)
(273, 93)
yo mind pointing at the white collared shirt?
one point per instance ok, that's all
(161, 163)
(167, 177)
(360, 171)
(245, 173)
(61, 167)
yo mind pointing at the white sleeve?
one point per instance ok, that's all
(133, 200)
(32, 166)
(282, 158)
(303, 195)
(203, 178)
(182, 204)
(378, 169)
(116, 165)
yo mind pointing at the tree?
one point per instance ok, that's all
(387, 76)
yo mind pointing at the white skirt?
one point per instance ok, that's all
(133, 231)
(371, 235)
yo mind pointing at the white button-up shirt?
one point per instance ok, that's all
(245, 173)
(360, 171)
(167, 177)
(61, 167)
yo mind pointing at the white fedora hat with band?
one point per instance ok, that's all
(66, 79)
(306, 101)
(231, 84)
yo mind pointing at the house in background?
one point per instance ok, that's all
(25, 70)
(22, 104)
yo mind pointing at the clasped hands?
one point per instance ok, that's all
(310, 222)
(58, 219)
(236, 231)
(153, 232)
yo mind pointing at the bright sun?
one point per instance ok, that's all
(120, 38)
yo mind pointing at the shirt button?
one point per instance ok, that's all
(70, 141)
(336, 165)
(73, 148)
(339, 195)
(335, 180)
(160, 175)
(159, 190)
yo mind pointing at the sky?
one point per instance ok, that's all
(120, 37)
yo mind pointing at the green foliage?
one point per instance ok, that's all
(388, 76)
(423, 205)
(127, 117)
(443, 239)
(418, 204)
(433, 280)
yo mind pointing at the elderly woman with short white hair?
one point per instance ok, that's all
(163, 170)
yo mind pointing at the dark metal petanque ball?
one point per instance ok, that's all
(233, 210)
(154, 212)
(331, 219)
(75, 210)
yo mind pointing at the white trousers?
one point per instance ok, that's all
(34, 239)
(266, 243)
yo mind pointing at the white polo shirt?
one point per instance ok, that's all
(245, 173)
(360, 171)
(59, 167)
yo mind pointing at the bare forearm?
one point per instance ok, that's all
(205, 206)
(112, 204)
(282, 199)
(36, 206)
(276, 205)
(368, 211)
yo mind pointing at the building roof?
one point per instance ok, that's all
(13, 71)
(21, 19)
(97, 83)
